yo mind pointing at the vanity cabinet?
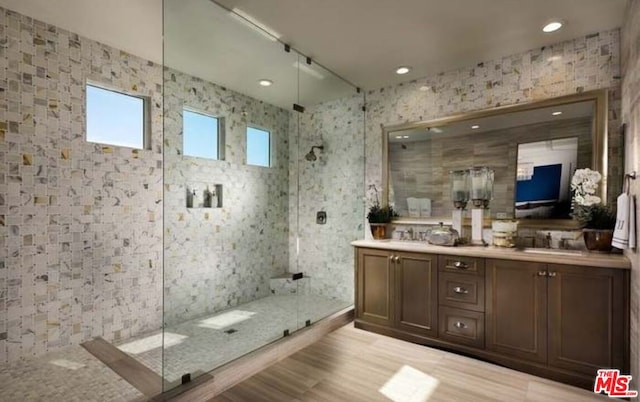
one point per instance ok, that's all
(566, 316)
(559, 321)
(398, 290)
(375, 281)
(586, 318)
(517, 309)
(416, 293)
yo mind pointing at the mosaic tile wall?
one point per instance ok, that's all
(216, 258)
(334, 184)
(80, 223)
(631, 116)
(582, 64)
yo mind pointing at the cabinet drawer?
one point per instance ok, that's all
(461, 291)
(464, 265)
(461, 326)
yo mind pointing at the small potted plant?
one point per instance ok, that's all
(378, 217)
(596, 219)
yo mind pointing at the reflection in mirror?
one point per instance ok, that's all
(543, 187)
(532, 149)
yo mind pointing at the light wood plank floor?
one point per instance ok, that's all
(354, 365)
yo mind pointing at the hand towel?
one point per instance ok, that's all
(413, 205)
(425, 207)
(622, 230)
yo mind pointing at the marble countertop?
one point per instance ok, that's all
(549, 256)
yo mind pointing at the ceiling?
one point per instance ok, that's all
(365, 40)
(361, 40)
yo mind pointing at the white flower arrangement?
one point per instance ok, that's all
(584, 185)
(587, 207)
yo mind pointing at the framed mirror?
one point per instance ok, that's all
(533, 148)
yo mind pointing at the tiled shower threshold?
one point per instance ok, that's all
(195, 346)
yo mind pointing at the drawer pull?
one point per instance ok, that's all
(391, 257)
(460, 265)
(460, 325)
(551, 274)
(460, 290)
(396, 259)
(542, 273)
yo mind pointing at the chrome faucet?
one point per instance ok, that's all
(410, 233)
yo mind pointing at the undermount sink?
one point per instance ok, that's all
(548, 251)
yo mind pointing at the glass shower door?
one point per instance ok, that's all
(226, 217)
(330, 179)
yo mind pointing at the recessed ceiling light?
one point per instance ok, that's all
(424, 88)
(265, 82)
(405, 136)
(475, 126)
(552, 26)
(402, 70)
(556, 113)
(398, 136)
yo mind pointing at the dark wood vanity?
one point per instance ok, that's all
(530, 312)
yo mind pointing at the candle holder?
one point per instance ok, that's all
(489, 192)
(459, 188)
(478, 177)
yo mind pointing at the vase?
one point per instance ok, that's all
(379, 230)
(598, 240)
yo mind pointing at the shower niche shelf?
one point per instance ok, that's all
(209, 197)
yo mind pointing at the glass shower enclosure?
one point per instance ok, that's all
(263, 160)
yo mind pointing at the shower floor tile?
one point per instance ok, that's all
(71, 374)
(200, 345)
(194, 347)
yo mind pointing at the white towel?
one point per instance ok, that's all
(624, 235)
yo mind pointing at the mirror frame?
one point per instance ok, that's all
(599, 158)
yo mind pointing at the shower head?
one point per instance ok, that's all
(311, 156)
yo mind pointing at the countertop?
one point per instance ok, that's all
(549, 256)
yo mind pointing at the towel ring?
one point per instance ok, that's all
(627, 181)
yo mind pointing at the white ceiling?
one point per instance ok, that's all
(362, 40)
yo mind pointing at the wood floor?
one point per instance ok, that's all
(354, 365)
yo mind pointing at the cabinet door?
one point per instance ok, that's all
(375, 286)
(516, 309)
(416, 293)
(586, 318)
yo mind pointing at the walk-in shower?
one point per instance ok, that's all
(228, 283)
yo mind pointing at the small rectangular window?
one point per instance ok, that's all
(258, 147)
(200, 135)
(115, 118)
